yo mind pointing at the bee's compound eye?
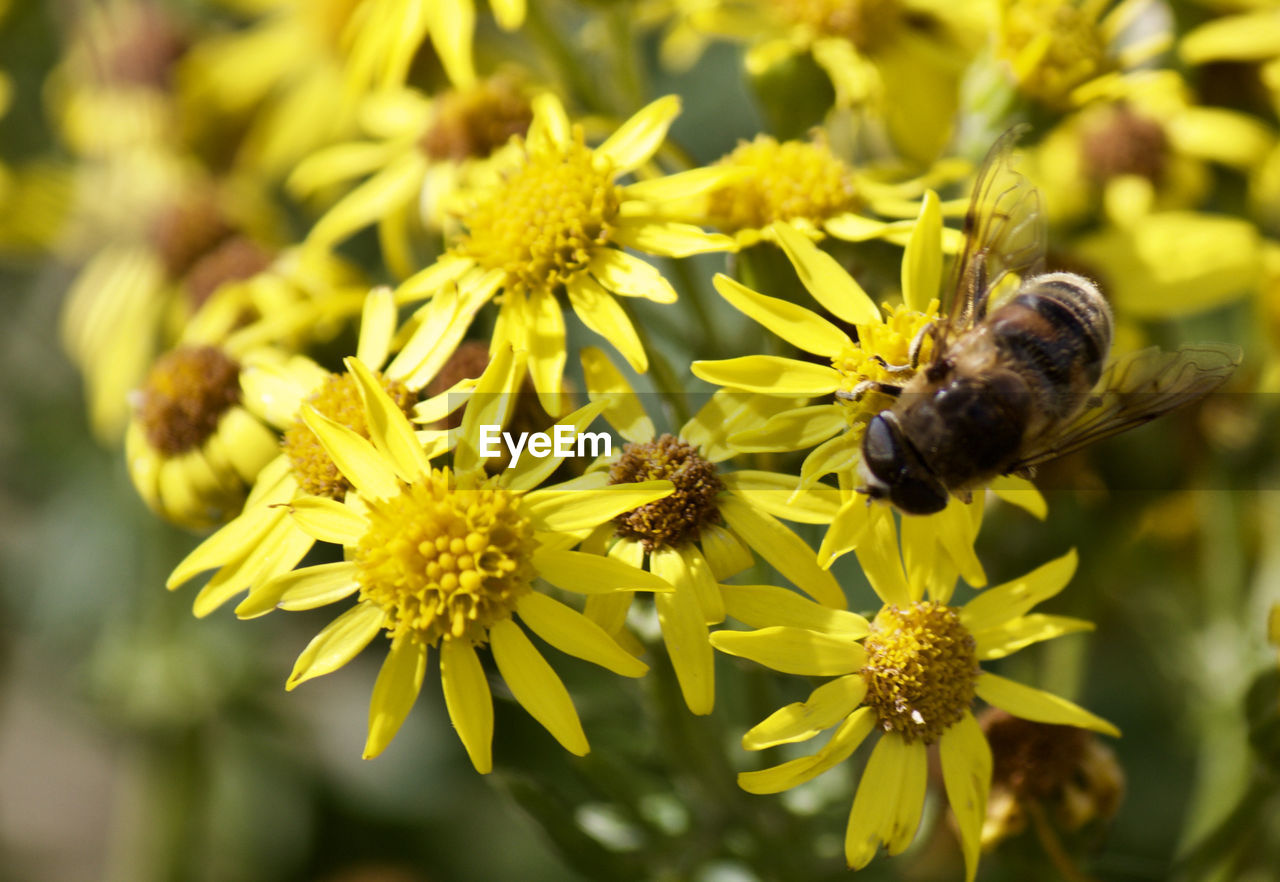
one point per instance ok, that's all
(881, 449)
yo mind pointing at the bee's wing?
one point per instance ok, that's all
(1004, 234)
(1136, 388)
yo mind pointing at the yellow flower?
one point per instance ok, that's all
(423, 149)
(557, 220)
(837, 426)
(445, 560)
(805, 184)
(263, 542)
(388, 34)
(702, 533)
(912, 673)
(900, 62)
(1062, 53)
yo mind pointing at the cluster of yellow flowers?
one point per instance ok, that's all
(324, 253)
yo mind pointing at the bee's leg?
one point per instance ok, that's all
(965, 496)
(892, 368)
(856, 393)
(929, 331)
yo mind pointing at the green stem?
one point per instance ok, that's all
(664, 377)
(628, 68)
(580, 81)
(693, 294)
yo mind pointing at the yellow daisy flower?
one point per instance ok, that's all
(805, 184)
(835, 428)
(388, 34)
(263, 542)
(557, 220)
(899, 62)
(423, 149)
(446, 559)
(1064, 53)
(702, 533)
(913, 674)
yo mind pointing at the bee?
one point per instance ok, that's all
(1019, 370)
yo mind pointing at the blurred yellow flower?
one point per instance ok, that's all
(913, 673)
(445, 559)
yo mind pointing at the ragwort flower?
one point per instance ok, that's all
(912, 673)
(557, 220)
(444, 560)
(704, 532)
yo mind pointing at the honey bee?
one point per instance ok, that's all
(1019, 370)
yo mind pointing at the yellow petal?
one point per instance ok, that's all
(571, 632)
(687, 570)
(794, 650)
(684, 632)
(550, 129)
(547, 354)
(584, 573)
(601, 313)
(622, 408)
(852, 523)
(316, 586)
(636, 140)
(770, 374)
(761, 606)
(1022, 493)
(531, 471)
(1022, 632)
(489, 405)
(628, 275)
(447, 269)
(670, 239)
(328, 520)
(1037, 705)
(780, 495)
(567, 510)
(922, 260)
(377, 326)
(827, 705)
(724, 551)
(393, 186)
(795, 429)
(785, 551)
(889, 801)
(1003, 603)
(966, 773)
(882, 563)
(277, 551)
(470, 704)
(536, 686)
(826, 280)
(452, 29)
(1246, 37)
(798, 326)
(726, 413)
(389, 429)
(846, 739)
(396, 689)
(339, 642)
(355, 457)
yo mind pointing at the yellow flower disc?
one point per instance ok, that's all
(443, 562)
(782, 182)
(890, 342)
(544, 222)
(920, 671)
(338, 399)
(185, 395)
(677, 518)
(862, 22)
(472, 124)
(1052, 45)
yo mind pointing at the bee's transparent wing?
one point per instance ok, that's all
(1004, 236)
(1134, 389)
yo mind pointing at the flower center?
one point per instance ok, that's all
(542, 224)
(474, 123)
(890, 342)
(188, 230)
(677, 518)
(863, 23)
(794, 179)
(234, 259)
(185, 395)
(1119, 141)
(446, 563)
(141, 48)
(920, 671)
(339, 399)
(1053, 46)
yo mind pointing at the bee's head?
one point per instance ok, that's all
(892, 469)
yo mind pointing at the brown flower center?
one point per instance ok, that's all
(680, 517)
(185, 395)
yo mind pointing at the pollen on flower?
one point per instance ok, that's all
(473, 123)
(545, 221)
(185, 395)
(1117, 140)
(1053, 47)
(339, 399)
(879, 347)
(782, 181)
(863, 23)
(680, 517)
(446, 563)
(187, 230)
(921, 669)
